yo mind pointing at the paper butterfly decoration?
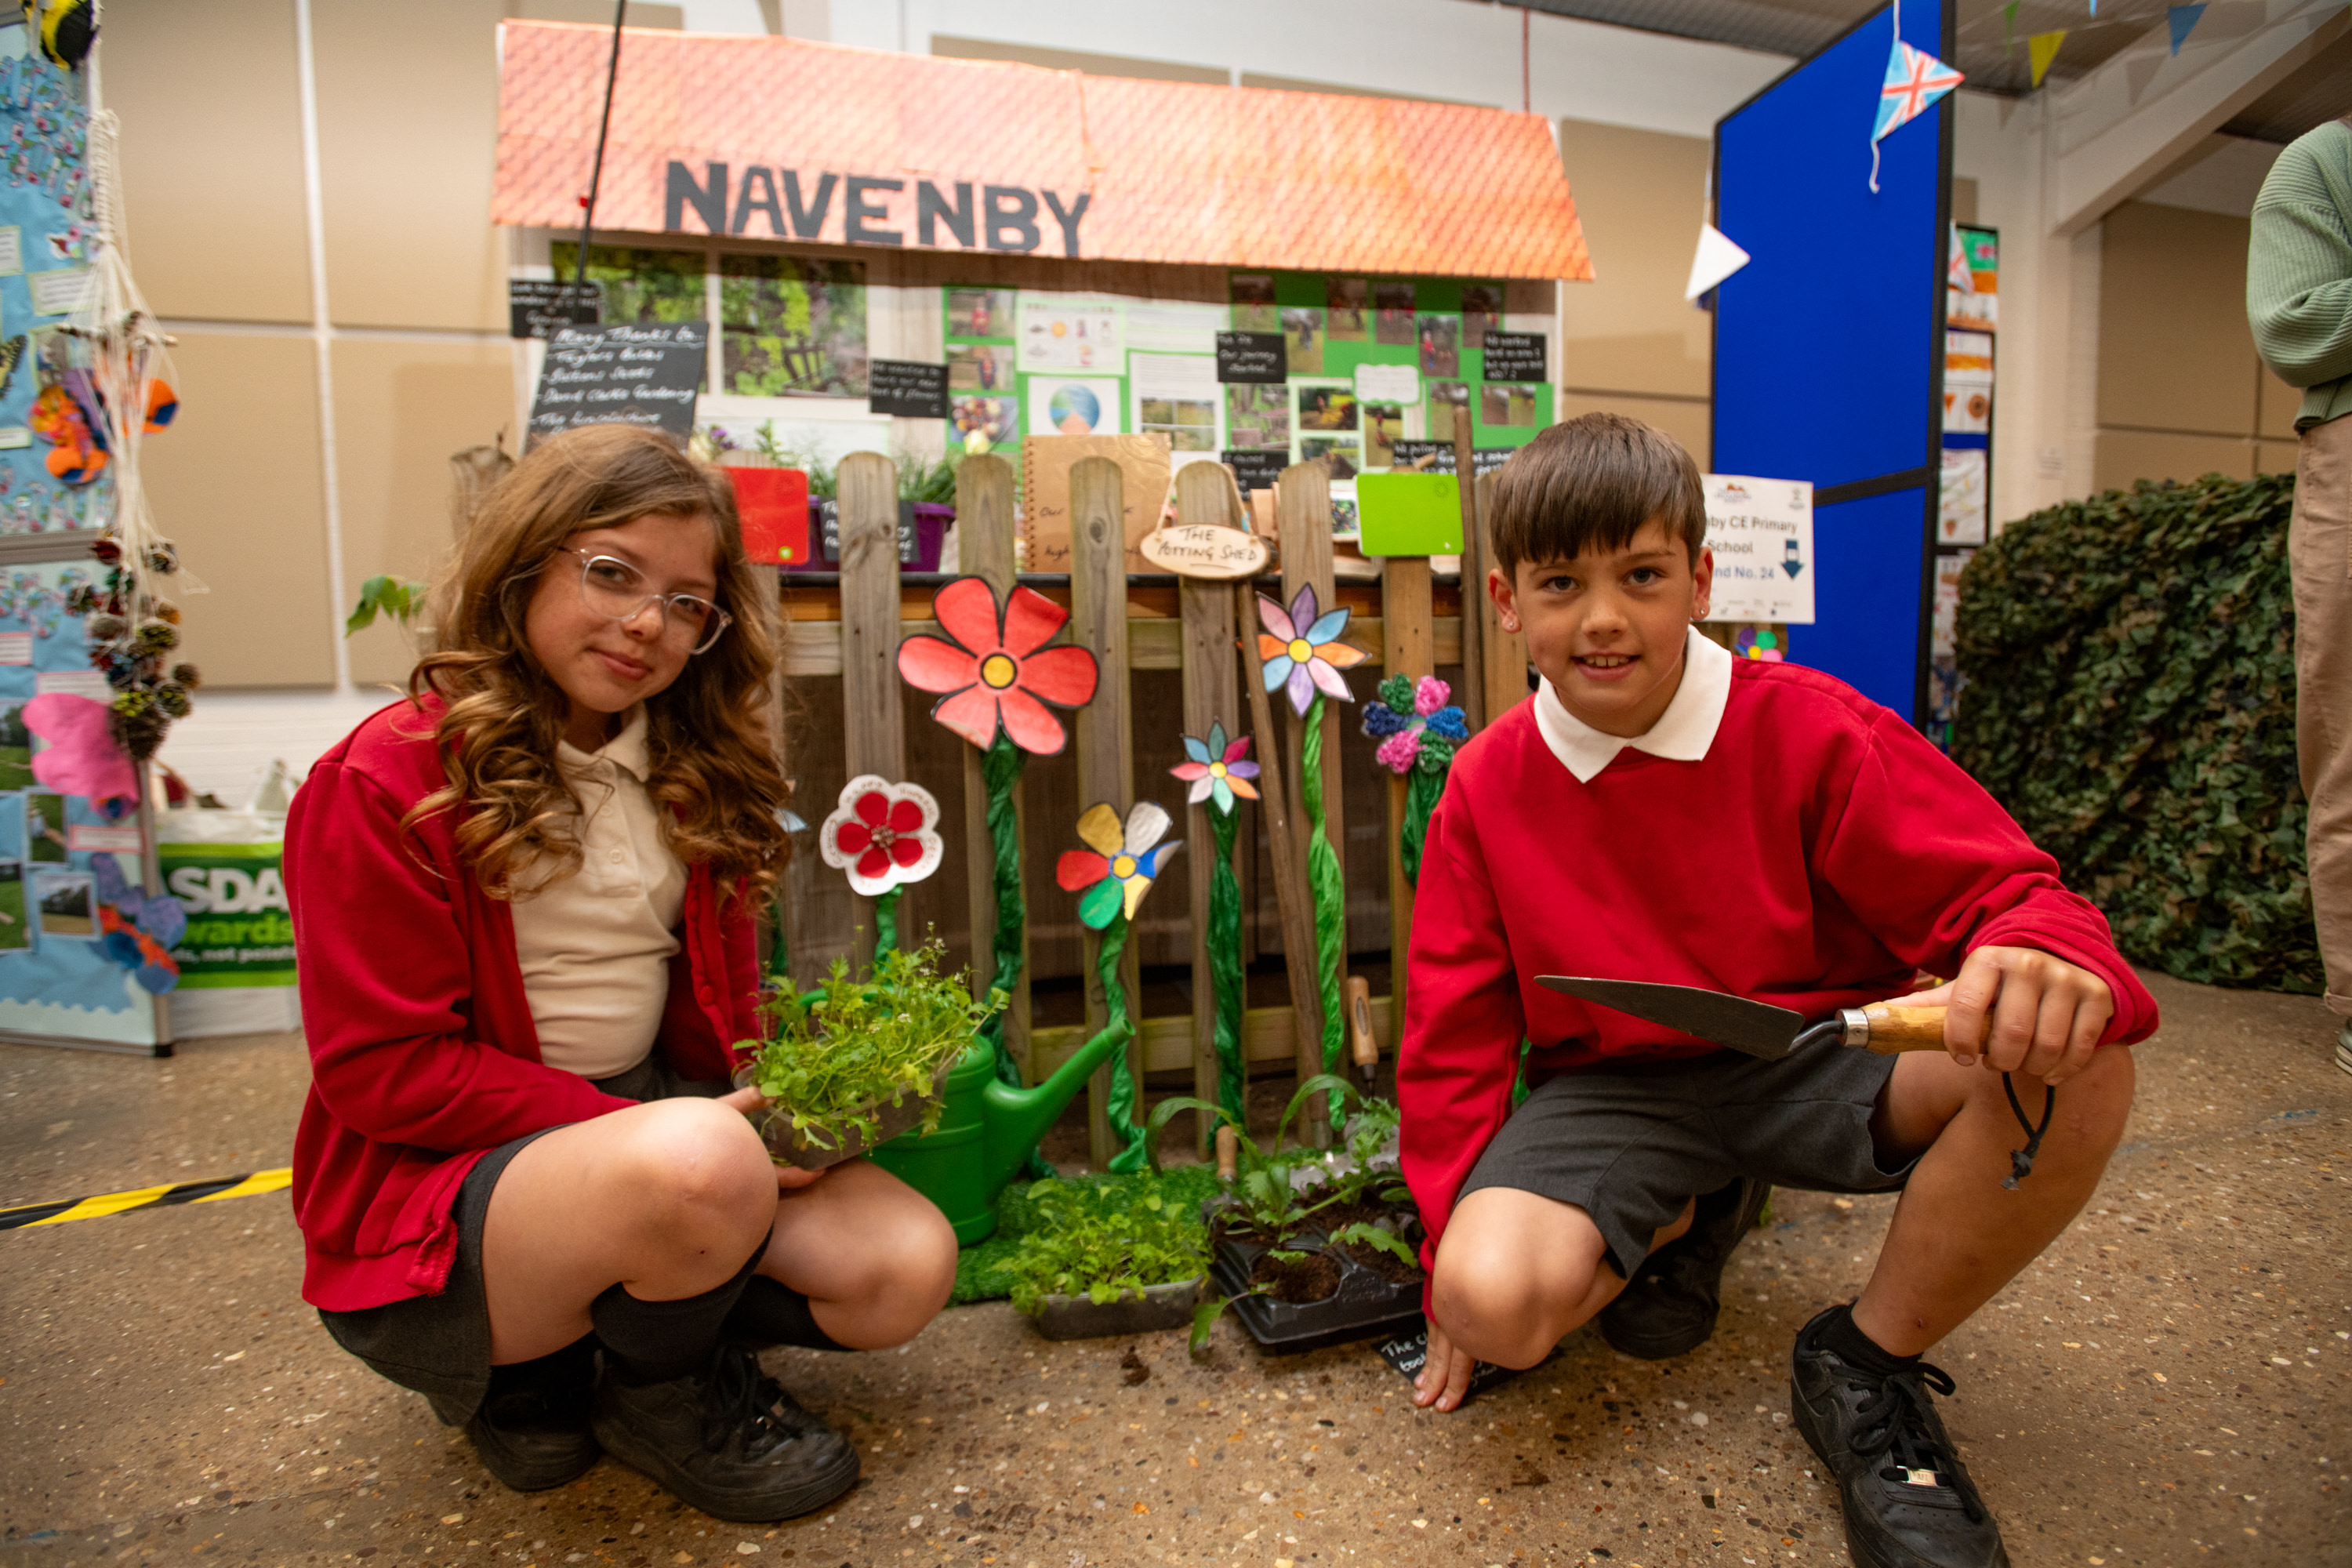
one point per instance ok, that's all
(1414, 724)
(1302, 650)
(884, 834)
(1915, 80)
(1114, 872)
(995, 668)
(1216, 770)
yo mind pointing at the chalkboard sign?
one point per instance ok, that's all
(625, 374)
(1485, 459)
(1257, 357)
(537, 306)
(907, 388)
(1254, 470)
(1515, 357)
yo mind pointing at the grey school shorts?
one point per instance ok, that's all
(440, 1345)
(1628, 1144)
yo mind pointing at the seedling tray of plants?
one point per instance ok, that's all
(1362, 1304)
(1150, 1311)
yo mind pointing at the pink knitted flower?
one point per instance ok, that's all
(1397, 752)
(1430, 695)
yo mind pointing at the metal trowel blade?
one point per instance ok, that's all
(1757, 1027)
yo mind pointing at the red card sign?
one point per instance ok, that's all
(773, 505)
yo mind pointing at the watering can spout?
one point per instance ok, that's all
(1016, 1119)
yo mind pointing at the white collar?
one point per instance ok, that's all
(627, 750)
(1683, 732)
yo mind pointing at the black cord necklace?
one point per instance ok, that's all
(2021, 1160)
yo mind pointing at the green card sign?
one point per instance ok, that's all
(1410, 514)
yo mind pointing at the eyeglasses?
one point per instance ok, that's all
(610, 586)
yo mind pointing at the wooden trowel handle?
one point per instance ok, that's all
(1895, 1029)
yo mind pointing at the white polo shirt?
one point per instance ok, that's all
(1683, 732)
(595, 947)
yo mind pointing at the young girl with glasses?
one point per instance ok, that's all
(523, 904)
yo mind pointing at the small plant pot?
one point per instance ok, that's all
(1156, 1307)
(785, 1147)
(1364, 1307)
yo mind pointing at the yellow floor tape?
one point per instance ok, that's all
(27, 1216)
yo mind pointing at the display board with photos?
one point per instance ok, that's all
(1964, 513)
(788, 325)
(1367, 362)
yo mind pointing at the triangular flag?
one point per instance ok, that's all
(1915, 80)
(1716, 259)
(2183, 21)
(2042, 49)
(1959, 275)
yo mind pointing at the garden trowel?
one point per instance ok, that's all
(1757, 1027)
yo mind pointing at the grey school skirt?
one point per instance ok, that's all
(440, 1345)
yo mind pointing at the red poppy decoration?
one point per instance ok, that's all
(995, 669)
(883, 835)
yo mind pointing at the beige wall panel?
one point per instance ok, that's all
(212, 156)
(2279, 404)
(2175, 351)
(402, 411)
(1685, 422)
(236, 482)
(2126, 457)
(2275, 457)
(408, 114)
(1637, 194)
(600, 11)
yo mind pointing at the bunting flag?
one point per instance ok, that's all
(1716, 259)
(2042, 49)
(1915, 80)
(2183, 20)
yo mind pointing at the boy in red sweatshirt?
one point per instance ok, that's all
(1659, 811)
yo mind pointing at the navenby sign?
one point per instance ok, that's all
(780, 139)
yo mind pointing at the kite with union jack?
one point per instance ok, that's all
(1915, 80)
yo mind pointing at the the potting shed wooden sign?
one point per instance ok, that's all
(1205, 550)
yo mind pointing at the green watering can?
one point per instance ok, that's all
(986, 1132)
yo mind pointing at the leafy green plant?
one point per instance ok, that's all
(394, 597)
(1101, 1242)
(1270, 1200)
(834, 1056)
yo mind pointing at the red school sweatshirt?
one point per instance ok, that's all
(423, 1053)
(1817, 855)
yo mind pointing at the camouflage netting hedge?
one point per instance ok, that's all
(2130, 698)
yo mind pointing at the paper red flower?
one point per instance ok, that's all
(883, 834)
(995, 668)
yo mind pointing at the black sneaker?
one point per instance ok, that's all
(726, 1440)
(1908, 1500)
(1670, 1304)
(531, 1429)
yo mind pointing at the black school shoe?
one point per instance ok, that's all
(531, 1428)
(1908, 1500)
(1669, 1306)
(726, 1440)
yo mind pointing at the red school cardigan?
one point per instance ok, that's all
(423, 1053)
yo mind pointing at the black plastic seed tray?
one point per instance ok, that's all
(1365, 1306)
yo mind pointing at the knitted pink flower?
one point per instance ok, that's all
(1397, 752)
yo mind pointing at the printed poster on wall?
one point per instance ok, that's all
(1761, 531)
(1071, 331)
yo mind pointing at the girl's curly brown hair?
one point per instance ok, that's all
(709, 738)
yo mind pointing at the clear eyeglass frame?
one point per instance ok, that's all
(622, 594)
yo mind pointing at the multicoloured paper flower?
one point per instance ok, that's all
(1302, 651)
(1112, 875)
(1217, 770)
(1414, 724)
(995, 668)
(1756, 642)
(884, 834)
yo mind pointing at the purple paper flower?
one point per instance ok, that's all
(1301, 649)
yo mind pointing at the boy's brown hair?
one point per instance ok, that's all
(1594, 481)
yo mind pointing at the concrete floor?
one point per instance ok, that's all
(2169, 1384)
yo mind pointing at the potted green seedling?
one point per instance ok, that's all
(1108, 1259)
(856, 1062)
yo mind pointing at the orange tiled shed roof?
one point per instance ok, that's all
(1174, 171)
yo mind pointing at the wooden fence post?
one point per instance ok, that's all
(1505, 653)
(1303, 506)
(1408, 648)
(873, 737)
(1474, 577)
(1106, 741)
(984, 535)
(1205, 495)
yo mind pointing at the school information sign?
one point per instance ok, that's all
(1761, 531)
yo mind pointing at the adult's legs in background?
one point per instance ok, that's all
(2319, 551)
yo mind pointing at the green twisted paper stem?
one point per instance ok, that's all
(1225, 967)
(1422, 789)
(779, 958)
(1121, 1109)
(1000, 769)
(886, 922)
(1328, 895)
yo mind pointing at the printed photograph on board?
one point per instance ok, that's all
(1444, 397)
(1441, 344)
(980, 367)
(1383, 428)
(1346, 456)
(1302, 332)
(1189, 426)
(1501, 403)
(16, 749)
(1253, 296)
(1326, 408)
(1482, 312)
(639, 284)
(1257, 415)
(1346, 309)
(45, 828)
(980, 312)
(67, 905)
(15, 924)
(993, 420)
(1345, 522)
(1071, 406)
(791, 325)
(1392, 314)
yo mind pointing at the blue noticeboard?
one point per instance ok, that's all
(1829, 343)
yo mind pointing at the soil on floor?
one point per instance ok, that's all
(1314, 1278)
